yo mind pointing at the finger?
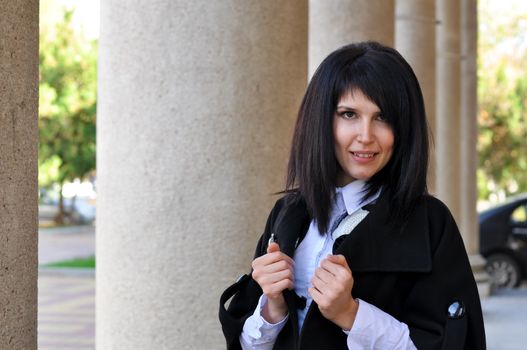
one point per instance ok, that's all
(324, 275)
(271, 258)
(273, 247)
(286, 284)
(333, 268)
(340, 273)
(265, 274)
(339, 260)
(322, 287)
(317, 283)
(273, 290)
(280, 261)
(316, 295)
(276, 277)
(279, 265)
(273, 250)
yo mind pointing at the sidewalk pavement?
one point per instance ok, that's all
(505, 316)
(66, 312)
(66, 317)
(66, 297)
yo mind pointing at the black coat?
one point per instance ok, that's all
(414, 273)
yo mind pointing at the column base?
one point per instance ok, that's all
(477, 262)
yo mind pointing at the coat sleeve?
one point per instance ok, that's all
(450, 286)
(245, 293)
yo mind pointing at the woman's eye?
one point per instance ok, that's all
(381, 118)
(348, 115)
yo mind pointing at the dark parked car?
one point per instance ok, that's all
(503, 241)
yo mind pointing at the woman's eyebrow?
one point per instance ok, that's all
(348, 108)
(345, 107)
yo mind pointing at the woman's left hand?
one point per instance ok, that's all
(332, 284)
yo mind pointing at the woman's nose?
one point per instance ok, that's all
(365, 134)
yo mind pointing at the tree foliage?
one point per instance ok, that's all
(502, 93)
(67, 103)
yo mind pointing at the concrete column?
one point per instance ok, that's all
(448, 125)
(469, 109)
(335, 23)
(18, 173)
(197, 102)
(415, 39)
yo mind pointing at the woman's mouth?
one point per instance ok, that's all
(364, 155)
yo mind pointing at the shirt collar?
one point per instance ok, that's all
(352, 195)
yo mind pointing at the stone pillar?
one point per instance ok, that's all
(197, 102)
(335, 23)
(18, 174)
(469, 122)
(415, 39)
(448, 125)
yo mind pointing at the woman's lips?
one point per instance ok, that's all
(363, 157)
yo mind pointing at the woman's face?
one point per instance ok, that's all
(363, 138)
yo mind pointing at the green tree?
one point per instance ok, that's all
(67, 105)
(502, 93)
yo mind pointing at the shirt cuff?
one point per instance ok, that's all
(257, 330)
(376, 329)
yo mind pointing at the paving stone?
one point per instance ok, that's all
(66, 312)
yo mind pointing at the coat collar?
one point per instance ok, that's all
(378, 245)
(374, 245)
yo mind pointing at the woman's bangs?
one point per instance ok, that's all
(363, 77)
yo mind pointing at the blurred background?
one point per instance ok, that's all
(69, 32)
(502, 98)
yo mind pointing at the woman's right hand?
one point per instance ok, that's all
(274, 272)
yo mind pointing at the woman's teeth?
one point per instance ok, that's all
(363, 155)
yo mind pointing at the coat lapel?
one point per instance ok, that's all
(291, 225)
(377, 245)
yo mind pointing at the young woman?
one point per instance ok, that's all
(357, 255)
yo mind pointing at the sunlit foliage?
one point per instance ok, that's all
(502, 93)
(67, 103)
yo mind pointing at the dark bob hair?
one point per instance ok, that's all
(384, 77)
